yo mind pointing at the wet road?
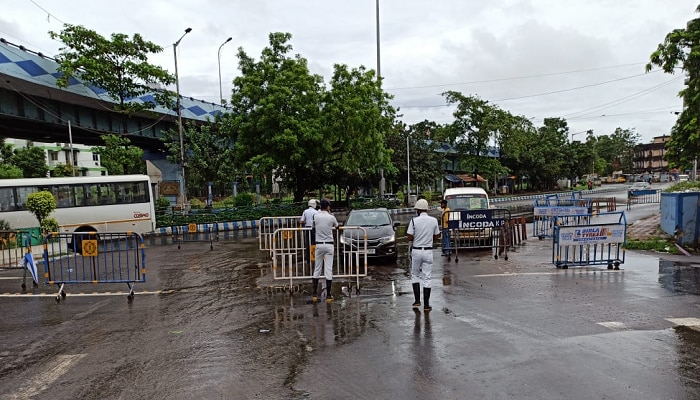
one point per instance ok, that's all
(213, 324)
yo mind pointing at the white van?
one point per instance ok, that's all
(466, 198)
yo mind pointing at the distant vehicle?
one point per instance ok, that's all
(466, 198)
(381, 233)
(392, 198)
(640, 186)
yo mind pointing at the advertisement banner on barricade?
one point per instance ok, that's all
(593, 234)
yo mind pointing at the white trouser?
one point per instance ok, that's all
(324, 259)
(421, 266)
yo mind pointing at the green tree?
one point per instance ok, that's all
(355, 117)
(616, 152)
(119, 156)
(284, 120)
(8, 171)
(681, 51)
(41, 204)
(119, 66)
(209, 154)
(31, 160)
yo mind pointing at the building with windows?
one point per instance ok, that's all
(86, 162)
(649, 157)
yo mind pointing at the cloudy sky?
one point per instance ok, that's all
(583, 61)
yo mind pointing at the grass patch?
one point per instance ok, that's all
(655, 244)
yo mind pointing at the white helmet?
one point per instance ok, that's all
(422, 204)
(312, 203)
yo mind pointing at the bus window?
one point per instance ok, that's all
(79, 193)
(7, 199)
(22, 193)
(64, 196)
(105, 194)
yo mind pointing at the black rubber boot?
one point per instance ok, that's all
(416, 295)
(426, 300)
(314, 293)
(329, 296)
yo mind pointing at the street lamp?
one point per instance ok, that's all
(221, 92)
(182, 199)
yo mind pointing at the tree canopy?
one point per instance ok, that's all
(119, 66)
(284, 120)
(681, 51)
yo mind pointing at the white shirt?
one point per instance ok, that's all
(324, 223)
(423, 228)
(307, 217)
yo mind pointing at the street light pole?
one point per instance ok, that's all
(221, 92)
(408, 170)
(182, 199)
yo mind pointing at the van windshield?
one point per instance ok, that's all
(467, 202)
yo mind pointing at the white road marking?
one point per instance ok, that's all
(614, 325)
(94, 294)
(685, 321)
(49, 375)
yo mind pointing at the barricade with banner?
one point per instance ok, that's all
(564, 211)
(599, 242)
(194, 232)
(475, 229)
(109, 257)
(289, 262)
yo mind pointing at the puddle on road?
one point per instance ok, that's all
(679, 277)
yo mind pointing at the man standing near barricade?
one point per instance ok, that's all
(422, 231)
(445, 228)
(324, 224)
(307, 221)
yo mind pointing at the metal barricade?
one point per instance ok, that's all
(643, 197)
(546, 211)
(268, 225)
(111, 257)
(289, 263)
(194, 232)
(601, 242)
(479, 229)
(16, 252)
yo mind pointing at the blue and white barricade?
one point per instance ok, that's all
(477, 229)
(193, 232)
(600, 242)
(290, 262)
(648, 196)
(566, 212)
(91, 257)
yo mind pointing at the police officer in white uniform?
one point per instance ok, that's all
(307, 221)
(422, 231)
(324, 224)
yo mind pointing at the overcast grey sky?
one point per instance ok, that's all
(583, 61)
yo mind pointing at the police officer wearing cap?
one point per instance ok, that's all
(324, 224)
(307, 221)
(422, 231)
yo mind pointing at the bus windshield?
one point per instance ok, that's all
(467, 202)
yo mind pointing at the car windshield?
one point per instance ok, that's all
(467, 202)
(368, 218)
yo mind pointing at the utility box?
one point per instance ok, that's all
(412, 198)
(679, 216)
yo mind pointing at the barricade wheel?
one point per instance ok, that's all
(63, 294)
(617, 265)
(610, 266)
(565, 266)
(58, 298)
(505, 257)
(130, 297)
(24, 286)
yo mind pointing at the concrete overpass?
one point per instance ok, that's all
(33, 107)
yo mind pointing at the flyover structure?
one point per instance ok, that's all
(33, 107)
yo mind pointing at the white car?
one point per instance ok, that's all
(640, 186)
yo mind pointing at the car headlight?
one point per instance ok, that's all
(388, 239)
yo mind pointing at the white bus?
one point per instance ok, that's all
(117, 203)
